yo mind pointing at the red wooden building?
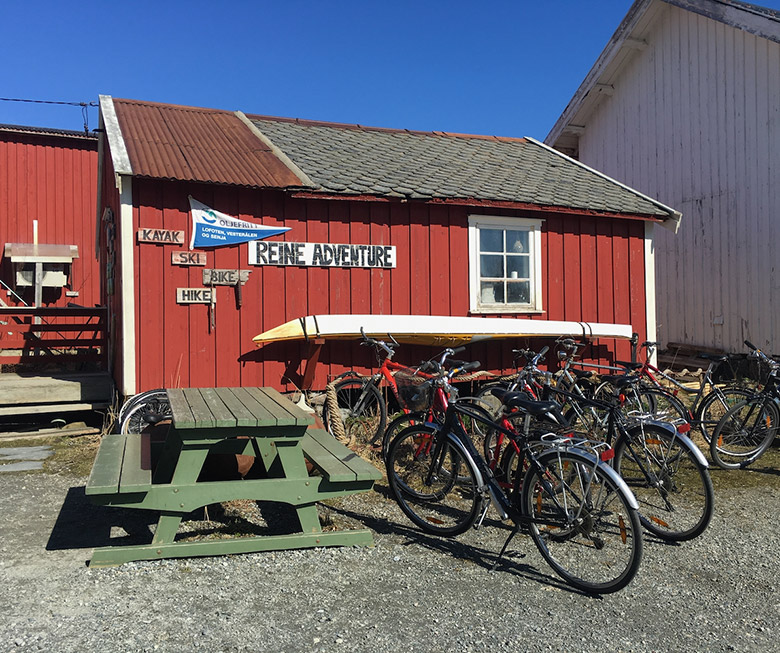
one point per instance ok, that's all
(50, 176)
(555, 239)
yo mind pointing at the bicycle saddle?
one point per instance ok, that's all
(629, 365)
(524, 402)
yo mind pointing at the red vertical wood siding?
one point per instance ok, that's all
(593, 270)
(51, 178)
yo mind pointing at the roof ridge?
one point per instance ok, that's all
(392, 130)
(168, 105)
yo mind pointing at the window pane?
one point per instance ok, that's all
(518, 292)
(491, 265)
(517, 267)
(491, 240)
(517, 241)
(491, 292)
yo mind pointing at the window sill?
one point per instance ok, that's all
(506, 310)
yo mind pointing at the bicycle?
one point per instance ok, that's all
(143, 410)
(663, 467)
(706, 407)
(747, 430)
(579, 512)
(427, 402)
(362, 408)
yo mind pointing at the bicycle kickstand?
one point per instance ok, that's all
(514, 532)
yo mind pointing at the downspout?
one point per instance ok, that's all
(650, 289)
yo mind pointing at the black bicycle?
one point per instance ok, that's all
(747, 430)
(579, 512)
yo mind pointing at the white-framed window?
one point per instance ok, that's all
(505, 264)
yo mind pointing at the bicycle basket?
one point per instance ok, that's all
(413, 391)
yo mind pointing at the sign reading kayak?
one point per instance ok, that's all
(329, 255)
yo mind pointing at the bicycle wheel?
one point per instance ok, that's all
(671, 484)
(491, 402)
(398, 424)
(715, 405)
(583, 524)
(149, 411)
(663, 405)
(436, 487)
(361, 408)
(744, 433)
(157, 393)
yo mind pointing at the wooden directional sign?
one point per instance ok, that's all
(195, 296)
(213, 277)
(188, 258)
(161, 236)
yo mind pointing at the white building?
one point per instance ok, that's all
(684, 105)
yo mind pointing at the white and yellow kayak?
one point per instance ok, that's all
(438, 330)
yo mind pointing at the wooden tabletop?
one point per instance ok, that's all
(200, 408)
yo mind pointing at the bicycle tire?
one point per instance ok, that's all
(715, 405)
(398, 424)
(437, 490)
(490, 401)
(592, 537)
(676, 502)
(361, 407)
(135, 399)
(744, 433)
(150, 411)
(663, 405)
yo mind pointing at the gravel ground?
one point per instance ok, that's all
(408, 593)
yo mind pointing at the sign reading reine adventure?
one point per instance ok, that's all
(331, 255)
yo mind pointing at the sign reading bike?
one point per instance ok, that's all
(329, 255)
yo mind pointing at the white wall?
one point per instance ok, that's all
(694, 121)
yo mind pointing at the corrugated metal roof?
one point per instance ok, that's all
(191, 144)
(356, 160)
(207, 145)
(48, 131)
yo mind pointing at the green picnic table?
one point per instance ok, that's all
(134, 471)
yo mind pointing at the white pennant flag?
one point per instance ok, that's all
(211, 228)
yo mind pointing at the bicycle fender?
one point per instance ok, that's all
(684, 439)
(609, 471)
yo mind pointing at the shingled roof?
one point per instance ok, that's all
(191, 144)
(350, 159)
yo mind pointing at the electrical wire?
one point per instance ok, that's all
(84, 106)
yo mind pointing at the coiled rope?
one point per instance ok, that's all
(335, 424)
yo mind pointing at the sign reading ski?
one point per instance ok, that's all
(211, 228)
(329, 255)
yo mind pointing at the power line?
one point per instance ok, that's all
(84, 106)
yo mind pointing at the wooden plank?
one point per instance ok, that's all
(200, 409)
(104, 478)
(301, 417)
(262, 414)
(242, 415)
(328, 464)
(180, 409)
(361, 470)
(16, 389)
(222, 414)
(136, 475)
(271, 404)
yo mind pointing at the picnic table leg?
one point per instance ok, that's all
(167, 527)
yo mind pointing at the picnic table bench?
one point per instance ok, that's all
(134, 471)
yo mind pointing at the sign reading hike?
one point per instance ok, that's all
(331, 255)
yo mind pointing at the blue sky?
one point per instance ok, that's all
(492, 67)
